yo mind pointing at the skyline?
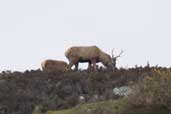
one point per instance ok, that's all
(35, 30)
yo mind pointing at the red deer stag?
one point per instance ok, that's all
(90, 54)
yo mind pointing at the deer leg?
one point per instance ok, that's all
(94, 65)
(89, 65)
(70, 66)
(73, 62)
(76, 66)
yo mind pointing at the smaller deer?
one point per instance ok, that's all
(53, 66)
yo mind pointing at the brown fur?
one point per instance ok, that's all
(91, 54)
(51, 66)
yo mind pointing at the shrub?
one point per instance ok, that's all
(153, 91)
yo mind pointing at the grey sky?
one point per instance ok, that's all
(34, 30)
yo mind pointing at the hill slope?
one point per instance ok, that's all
(109, 107)
(21, 92)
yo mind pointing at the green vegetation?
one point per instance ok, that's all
(110, 107)
(36, 92)
(150, 95)
(107, 107)
(153, 91)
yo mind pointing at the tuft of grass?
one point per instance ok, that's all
(121, 106)
(105, 107)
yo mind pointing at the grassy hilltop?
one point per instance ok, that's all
(37, 92)
(150, 95)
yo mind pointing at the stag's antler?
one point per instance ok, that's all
(120, 54)
(117, 55)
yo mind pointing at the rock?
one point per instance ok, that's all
(122, 91)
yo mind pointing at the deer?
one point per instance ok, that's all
(53, 66)
(90, 54)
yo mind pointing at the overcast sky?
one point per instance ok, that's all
(34, 30)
